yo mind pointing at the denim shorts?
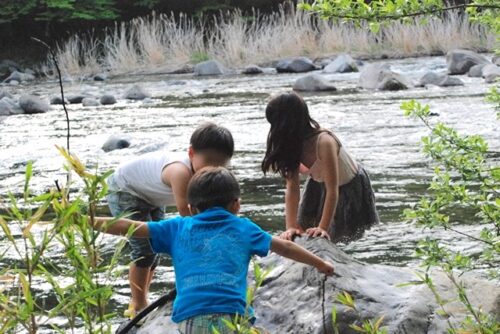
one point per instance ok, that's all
(121, 202)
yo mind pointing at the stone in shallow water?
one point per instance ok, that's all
(76, 98)
(116, 142)
(33, 104)
(4, 93)
(460, 61)
(5, 108)
(101, 77)
(450, 82)
(90, 102)
(252, 69)
(312, 83)
(107, 99)
(209, 67)
(290, 299)
(476, 71)
(296, 65)
(379, 76)
(491, 72)
(342, 64)
(136, 92)
(57, 100)
(19, 77)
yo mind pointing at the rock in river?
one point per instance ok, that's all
(33, 104)
(296, 65)
(460, 61)
(136, 92)
(313, 82)
(342, 64)
(107, 99)
(380, 76)
(209, 67)
(116, 142)
(290, 298)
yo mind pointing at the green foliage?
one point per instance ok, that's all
(58, 10)
(199, 56)
(494, 97)
(464, 181)
(377, 12)
(83, 295)
(366, 326)
(241, 324)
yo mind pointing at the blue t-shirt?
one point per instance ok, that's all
(210, 253)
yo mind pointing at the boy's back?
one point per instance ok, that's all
(142, 177)
(211, 252)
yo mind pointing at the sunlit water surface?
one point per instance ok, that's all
(370, 124)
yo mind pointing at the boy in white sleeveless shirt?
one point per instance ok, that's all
(147, 184)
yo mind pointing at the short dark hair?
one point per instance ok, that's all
(210, 136)
(212, 186)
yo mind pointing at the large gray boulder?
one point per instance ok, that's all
(450, 82)
(438, 79)
(252, 69)
(209, 67)
(101, 77)
(136, 92)
(116, 142)
(491, 72)
(90, 102)
(9, 106)
(476, 71)
(496, 60)
(460, 61)
(19, 77)
(4, 93)
(312, 83)
(33, 104)
(5, 108)
(58, 100)
(75, 99)
(379, 76)
(107, 99)
(296, 65)
(290, 298)
(342, 64)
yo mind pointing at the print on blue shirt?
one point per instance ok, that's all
(210, 252)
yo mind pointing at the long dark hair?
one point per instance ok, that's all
(291, 125)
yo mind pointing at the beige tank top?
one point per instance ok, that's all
(348, 168)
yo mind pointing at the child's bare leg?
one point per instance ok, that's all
(140, 279)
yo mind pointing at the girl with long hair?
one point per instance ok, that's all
(337, 201)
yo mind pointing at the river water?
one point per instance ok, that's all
(370, 124)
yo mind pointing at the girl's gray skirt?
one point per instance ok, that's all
(355, 210)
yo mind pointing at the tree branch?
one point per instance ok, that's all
(54, 59)
(414, 14)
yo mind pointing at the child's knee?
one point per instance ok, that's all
(147, 261)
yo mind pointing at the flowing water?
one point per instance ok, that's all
(370, 124)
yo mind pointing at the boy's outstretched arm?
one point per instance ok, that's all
(121, 226)
(293, 251)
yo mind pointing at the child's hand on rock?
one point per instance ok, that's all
(326, 268)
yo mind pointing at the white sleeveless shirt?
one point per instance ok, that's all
(141, 177)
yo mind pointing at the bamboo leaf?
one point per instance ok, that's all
(26, 292)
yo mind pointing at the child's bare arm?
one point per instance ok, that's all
(121, 226)
(177, 176)
(295, 252)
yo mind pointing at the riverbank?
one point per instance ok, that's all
(166, 43)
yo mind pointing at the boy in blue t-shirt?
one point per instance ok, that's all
(211, 250)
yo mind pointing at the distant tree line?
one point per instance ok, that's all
(54, 20)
